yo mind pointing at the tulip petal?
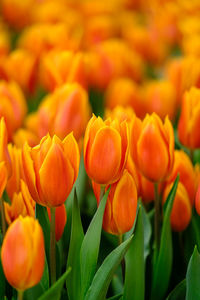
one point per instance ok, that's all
(105, 155)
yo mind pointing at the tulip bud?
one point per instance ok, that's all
(120, 113)
(23, 253)
(121, 205)
(21, 204)
(66, 110)
(152, 146)
(181, 210)
(183, 166)
(106, 145)
(50, 169)
(188, 125)
(60, 219)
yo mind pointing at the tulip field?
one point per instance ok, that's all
(99, 150)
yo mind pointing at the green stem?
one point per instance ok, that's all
(20, 295)
(53, 246)
(122, 261)
(3, 217)
(192, 155)
(157, 216)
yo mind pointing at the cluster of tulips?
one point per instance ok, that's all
(99, 149)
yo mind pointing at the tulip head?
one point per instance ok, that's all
(23, 267)
(50, 169)
(188, 125)
(152, 147)
(183, 166)
(4, 154)
(197, 200)
(106, 145)
(181, 210)
(121, 205)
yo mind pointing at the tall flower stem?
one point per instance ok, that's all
(123, 261)
(53, 246)
(20, 295)
(3, 217)
(157, 216)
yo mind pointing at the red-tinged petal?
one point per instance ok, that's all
(104, 157)
(56, 177)
(124, 203)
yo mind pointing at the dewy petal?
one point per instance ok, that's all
(56, 177)
(71, 151)
(105, 155)
(125, 203)
(29, 172)
(152, 153)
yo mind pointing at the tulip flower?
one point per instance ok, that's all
(106, 145)
(121, 205)
(24, 266)
(121, 113)
(60, 219)
(65, 110)
(181, 210)
(188, 125)
(197, 200)
(183, 166)
(152, 147)
(21, 204)
(50, 169)
(13, 106)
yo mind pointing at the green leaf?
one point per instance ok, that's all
(90, 247)
(103, 276)
(54, 293)
(77, 235)
(147, 232)
(193, 277)
(134, 285)
(163, 264)
(2, 281)
(116, 297)
(178, 292)
(42, 216)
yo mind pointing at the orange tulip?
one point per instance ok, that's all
(20, 66)
(125, 92)
(13, 106)
(4, 154)
(22, 204)
(181, 211)
(24, 266)
(120, 113)
(188, 125)
(13, 184)
(60, 219)
(106, 146)
(160, 97)
(121, 205)
(23, 135)
(66, 110)
(59, 67)
(50, 169)
(152, 146)
(183, 166)
(3, 177)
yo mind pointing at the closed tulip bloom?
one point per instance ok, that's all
(189, 122)
(152, 147)
(106, 145)
(24, 266)
(183, 166)
(181, 210)
(121, 205)
(4, 154)
(50, 169)
(121, 113)
(60, 219)
(21, 204)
